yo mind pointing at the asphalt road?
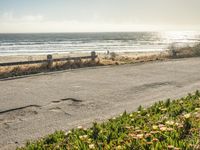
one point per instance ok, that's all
(35, 106)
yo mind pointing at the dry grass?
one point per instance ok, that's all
(37, 68)
(183, 52)
(103, 60)
(127, 59)
(113, 59)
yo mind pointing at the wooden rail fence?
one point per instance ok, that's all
(50, 60)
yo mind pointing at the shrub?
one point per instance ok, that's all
(187, 51)
(113, 55)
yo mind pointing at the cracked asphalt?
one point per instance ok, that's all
(35, 106)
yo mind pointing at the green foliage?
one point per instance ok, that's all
(165, 125)
(53, 141)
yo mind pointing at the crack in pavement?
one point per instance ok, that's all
(38, 106)
(67, 99)
(19, 108)
(21, 113)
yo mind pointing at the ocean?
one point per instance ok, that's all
(51, 43)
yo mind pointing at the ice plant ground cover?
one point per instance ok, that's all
(170, 124)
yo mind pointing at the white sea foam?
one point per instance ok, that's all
(33, 44)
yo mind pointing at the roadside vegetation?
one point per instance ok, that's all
(170, 124)
(13, 71)
(183, 52)
(103, 60)
(111, 59)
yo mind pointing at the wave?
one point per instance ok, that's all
(66, 42)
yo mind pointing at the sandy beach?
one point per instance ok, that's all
(16, 58)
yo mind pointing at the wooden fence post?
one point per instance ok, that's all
(49, 61)
(93, 55)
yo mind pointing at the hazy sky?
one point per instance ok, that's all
(98, 15)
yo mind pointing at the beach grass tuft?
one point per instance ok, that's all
(184, 52)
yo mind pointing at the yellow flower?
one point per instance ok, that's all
(187, 115)
(176, 123)
(163, 109)
(137, 128)
(170, 122)
(80, 127)
(131, 115)
(154, 132)
(113, 118)
(163, 128)
(132, 134)
(170, 129)
(128, 127)
(155, 127)
(140, 136)
(83, 137)
(68, 132)
(91, 146)
(119, 147)
(132, 119)
(181, 102)
(180, 126)
(170, 147)
(89, 140)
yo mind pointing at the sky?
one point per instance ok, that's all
(21, 16)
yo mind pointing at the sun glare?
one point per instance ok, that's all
(174, 35)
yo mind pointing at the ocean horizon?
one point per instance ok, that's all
(56, 43)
